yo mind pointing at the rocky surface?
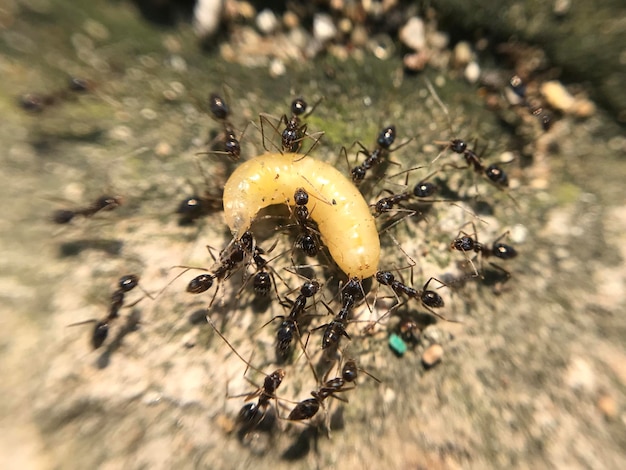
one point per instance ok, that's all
(532, 375)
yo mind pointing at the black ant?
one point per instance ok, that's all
(201, 203)
(221, 112)
(102, 204)
(385, 140)
(307, 241)
(351, 293)
(295, 129)
(230, 259)
(251, 414)
(465, 243)
(101, 330)
(422, 190)
(289, 326)
(519, 88)
(429, 299)
(36, 102)
(263, 279)
(308, 408)
(493, 172)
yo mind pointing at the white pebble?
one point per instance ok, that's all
(206, 17)
(266, 21)
(413, 34)
(557, 95)
(472, 72)
(462, 53)
(323, 27)
(277, 68)
(432, 355)
(519, 233)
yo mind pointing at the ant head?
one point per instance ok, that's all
(458, 145)
(189, 206)
(246, 242)
(358, 173)
(385, 277)
(353, 288)
(301, 197)
(384, 205)
(298, 107)
(218, 106)
(108, 203)
(463, 243)
(310, 288)
(387, 137)
(518, 86)
(232, 147)
(78, 84)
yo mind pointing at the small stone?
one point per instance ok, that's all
(437, 40)
(583, 108)
(206, 17)
(266, 21)
(413, 34)
(557, 95)
(518, 234)
(415, 62)
(163, 149)
(323, 27)
(432, 356)
(359, 36)
(472, 72)
(291, 20)
(277, 68)
(462, 54)
(607, 406)
(561, 7)
(580, 375)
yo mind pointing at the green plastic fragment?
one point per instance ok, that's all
(397, 344)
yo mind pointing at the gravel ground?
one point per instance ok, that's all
(532, 373)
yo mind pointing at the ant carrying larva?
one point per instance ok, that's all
(327, 207)
(272, 179)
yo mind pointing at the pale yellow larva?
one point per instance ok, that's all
(344, 219)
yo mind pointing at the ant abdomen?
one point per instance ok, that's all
(200, 284)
